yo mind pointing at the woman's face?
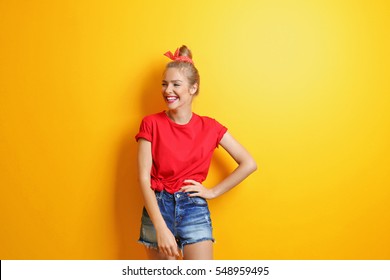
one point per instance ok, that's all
(176, 90)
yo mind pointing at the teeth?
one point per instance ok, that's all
(171, 98)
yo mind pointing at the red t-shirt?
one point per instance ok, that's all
(180, 152)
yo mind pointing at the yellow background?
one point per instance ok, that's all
(304, 85)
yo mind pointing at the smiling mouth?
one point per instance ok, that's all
(171, 99)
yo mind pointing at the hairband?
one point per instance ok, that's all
(177, 57)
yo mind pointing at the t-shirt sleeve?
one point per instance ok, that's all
(145, 130)
(221, 130)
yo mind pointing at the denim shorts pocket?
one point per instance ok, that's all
(198, 200)
(158, 195)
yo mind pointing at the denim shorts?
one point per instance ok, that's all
(188, 218)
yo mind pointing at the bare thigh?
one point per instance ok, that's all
(198, 251)
(155, 254)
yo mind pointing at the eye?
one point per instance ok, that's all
(176, 85)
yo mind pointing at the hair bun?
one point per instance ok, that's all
(185, 51)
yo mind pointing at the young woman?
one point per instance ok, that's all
(174, 154)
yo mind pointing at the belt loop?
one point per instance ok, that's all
(158, 194)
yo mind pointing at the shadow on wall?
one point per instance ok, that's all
(128, 197)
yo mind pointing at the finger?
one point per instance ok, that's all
(188, 188)
(191, 181)
(173, 252)
(176, 253)
(191, 190)
(193, 194)
(168, 252)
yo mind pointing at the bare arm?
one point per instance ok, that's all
(246, 166)
(165, 239)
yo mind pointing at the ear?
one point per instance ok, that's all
(194, 88)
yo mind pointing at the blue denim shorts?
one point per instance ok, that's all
(187, 217)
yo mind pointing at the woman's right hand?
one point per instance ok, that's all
(167, 242)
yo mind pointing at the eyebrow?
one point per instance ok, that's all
(173, 81)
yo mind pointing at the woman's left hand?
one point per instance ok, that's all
(197, 189)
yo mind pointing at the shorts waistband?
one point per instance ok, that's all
(171, 196)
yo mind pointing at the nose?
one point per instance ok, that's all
(168, 88)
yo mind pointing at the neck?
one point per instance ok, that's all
(180, 116)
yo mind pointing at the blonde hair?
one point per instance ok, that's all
(188, 68)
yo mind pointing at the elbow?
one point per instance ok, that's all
(248, 164)
(255, 166)
(251, 166)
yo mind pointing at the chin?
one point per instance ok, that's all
(172, 106)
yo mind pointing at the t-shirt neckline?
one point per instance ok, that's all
(177, 124)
